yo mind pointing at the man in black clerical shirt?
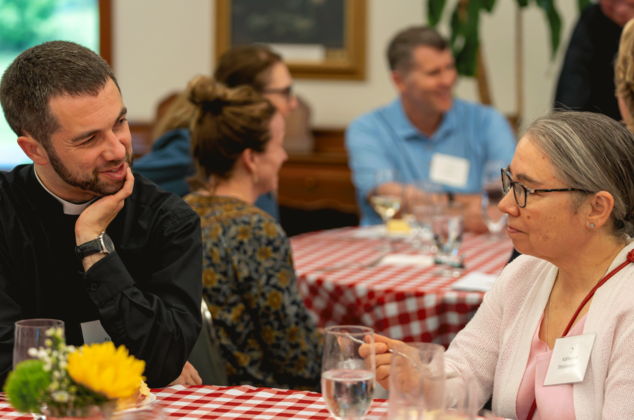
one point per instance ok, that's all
(82, 239)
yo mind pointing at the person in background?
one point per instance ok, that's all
(170, 161)
(266, 334)
(426, 133)
(624, 75)
(82, 238)
(586, 81)
(570, 205)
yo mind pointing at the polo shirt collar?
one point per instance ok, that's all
(405, 129)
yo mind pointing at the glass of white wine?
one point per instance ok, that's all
(347, 379)
(386, 199)
(492, 194)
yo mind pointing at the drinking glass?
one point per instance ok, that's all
(461, 401)
(31, 333)
(387, 201)
(492, 194)
(448, 228)
(419, 202)
(417, 381)
(347, 379)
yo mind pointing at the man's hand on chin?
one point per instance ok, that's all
(189, 376)
(96, 218)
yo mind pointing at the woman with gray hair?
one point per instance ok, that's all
(570, 205)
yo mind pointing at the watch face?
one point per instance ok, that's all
(108, 243)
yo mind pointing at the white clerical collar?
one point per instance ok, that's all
(69, 208)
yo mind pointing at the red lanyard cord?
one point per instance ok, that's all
(630, 258)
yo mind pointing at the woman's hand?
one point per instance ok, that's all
(383, 357)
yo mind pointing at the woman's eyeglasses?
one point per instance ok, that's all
(521, 191)
(286, 92)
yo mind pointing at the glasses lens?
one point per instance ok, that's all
(520, 194)
(506, 182)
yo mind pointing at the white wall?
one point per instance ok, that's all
(160, 44)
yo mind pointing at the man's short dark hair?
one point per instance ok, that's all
(45, 71)
(399, 52)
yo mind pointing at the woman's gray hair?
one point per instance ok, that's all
(594, 153)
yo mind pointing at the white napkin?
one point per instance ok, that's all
(475, 282)
(404, 260)
(377, 232)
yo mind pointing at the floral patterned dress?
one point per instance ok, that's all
(266, 334)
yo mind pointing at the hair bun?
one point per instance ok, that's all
(214, 106)
(208, 94)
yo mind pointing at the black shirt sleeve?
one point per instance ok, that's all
(158, 321)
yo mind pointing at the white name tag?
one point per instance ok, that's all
(449, 170)
(94, 333)
(569, 360)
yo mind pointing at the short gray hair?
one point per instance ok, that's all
(594, 153)
(399, 52)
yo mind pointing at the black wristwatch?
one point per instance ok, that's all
(101, 244)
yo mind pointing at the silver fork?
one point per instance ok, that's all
(449, 375)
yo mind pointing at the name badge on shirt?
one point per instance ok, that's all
(94, 333)
(449, 170)
(569, 360)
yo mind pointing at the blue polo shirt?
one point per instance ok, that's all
(386, 139)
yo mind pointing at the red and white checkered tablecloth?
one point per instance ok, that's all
(236, 402)
(404, 303)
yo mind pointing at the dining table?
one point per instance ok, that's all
(234, 402)
(344, 281)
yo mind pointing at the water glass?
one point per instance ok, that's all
(448, 228)
(461, 397)
(31, 333)
(417, 381)
(347, 379)
(492, 194)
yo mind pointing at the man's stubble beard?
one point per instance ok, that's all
(90, 183)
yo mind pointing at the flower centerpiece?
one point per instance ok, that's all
(63, 381)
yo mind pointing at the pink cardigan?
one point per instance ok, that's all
(494, 347)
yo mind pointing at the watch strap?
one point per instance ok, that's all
(91, 247)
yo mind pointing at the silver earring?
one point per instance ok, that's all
(591, 225)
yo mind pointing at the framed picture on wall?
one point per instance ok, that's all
(319, 39)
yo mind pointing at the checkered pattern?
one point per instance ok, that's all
(239, 402)
(404, 303)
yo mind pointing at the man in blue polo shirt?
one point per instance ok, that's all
(426, 134)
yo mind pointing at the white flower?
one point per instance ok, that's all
(33, 352)
(54, 386)
(48, 342)
(47, 367)
(62, 364)
(70, 349)
(61, 396)
(50, 332)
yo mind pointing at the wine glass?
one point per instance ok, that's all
(347, 379)
(492, 194)
(417, 381)
(31, 333)
(386, 199)
(448, 228)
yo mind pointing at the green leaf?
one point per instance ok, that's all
(465, 38)
(554, 21)
(522, 3)
(583, 4)
(434, 11)
(488, 5)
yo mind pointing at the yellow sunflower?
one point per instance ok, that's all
(106, 369)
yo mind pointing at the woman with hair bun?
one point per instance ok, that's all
(266, 335)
